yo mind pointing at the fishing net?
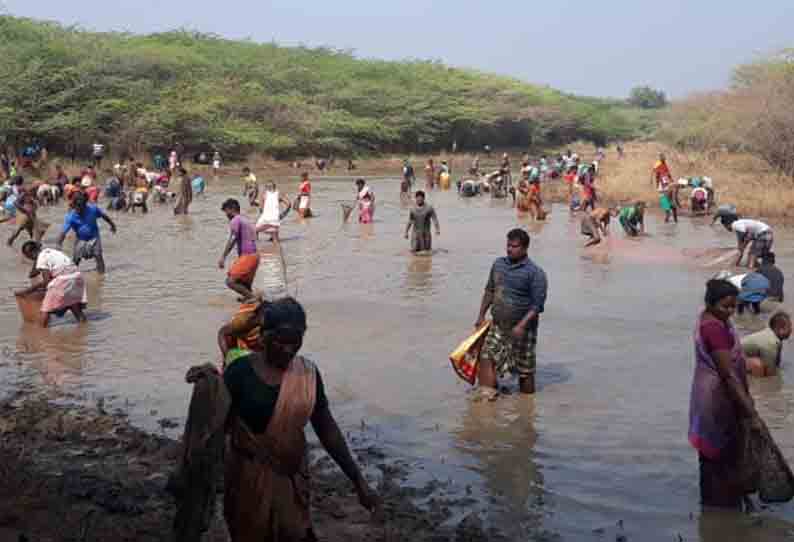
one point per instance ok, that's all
(763, 467)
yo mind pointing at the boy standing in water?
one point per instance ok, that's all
(242, 235)
(419, 219)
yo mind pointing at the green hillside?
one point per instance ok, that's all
(66, 86)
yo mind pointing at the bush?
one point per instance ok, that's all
(755, 115)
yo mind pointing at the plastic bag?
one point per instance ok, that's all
(466, 357)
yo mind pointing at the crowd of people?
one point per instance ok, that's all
(274, 392)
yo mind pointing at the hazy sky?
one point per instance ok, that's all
(582, 46)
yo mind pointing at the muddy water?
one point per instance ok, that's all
(601, 449)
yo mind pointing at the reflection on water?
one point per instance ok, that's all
(603, 441)
(500, 439)
(57, 353)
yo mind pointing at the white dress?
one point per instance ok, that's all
(270, 211)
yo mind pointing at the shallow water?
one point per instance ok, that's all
(601, 449)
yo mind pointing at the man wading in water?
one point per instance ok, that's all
(516, 294)
(83, 220)
(419, 219)
(242, 235)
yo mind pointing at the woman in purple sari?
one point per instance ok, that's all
(720, 404)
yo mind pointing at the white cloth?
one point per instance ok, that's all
(270, 210)
(99, 149)
(303, 202)
(53, 261)
(736, 280)
(749, 226)
(41, 192)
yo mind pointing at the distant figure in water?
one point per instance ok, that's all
(61, 283)
(757, 235)
(699, 201)
(516, 294)
(632, 219)
(430, 174)
(409, 178)
(198, 185)
(720, 404)
(303, 206)
(365, 209)
(184, 193)
(660, 174)
(242, 235)
(668, 201)
(362, 190)
(270, 219)
(27, 219)
(419, 219)
(595, 224)
(250, 187)
(216, 163)
(763, 350)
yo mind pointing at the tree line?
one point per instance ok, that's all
(137, 94)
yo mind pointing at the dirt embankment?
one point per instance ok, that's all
(74, 473)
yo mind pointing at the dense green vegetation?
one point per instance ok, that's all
(69, 87)
(755, 115)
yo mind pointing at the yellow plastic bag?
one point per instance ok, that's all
(466, 357)
(444, 181)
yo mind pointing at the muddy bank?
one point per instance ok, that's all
(79, 473)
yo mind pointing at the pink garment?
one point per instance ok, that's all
(65, 290)
(365, 212)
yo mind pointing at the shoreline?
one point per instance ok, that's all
(77, 472)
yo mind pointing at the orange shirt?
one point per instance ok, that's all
(661, 170)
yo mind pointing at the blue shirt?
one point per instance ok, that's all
(517, 288)
(85, 226)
